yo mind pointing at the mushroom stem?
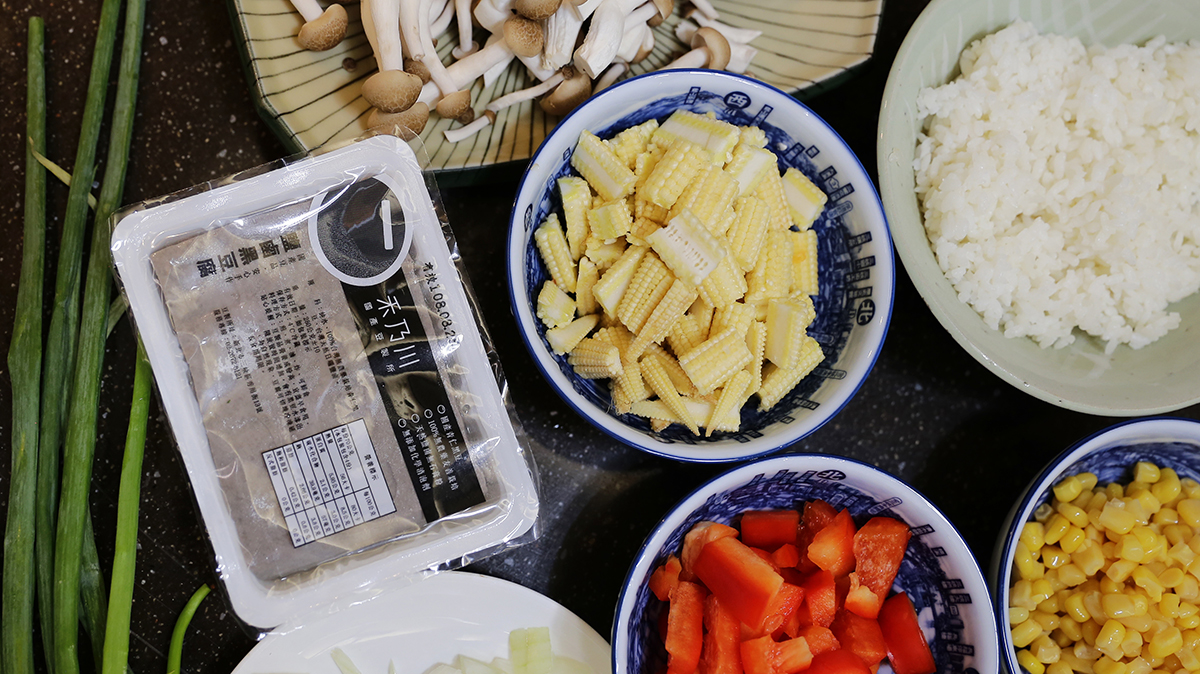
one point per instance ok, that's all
(604, 36)
(525, 94)
(696, 58)
(562, 31)
(705, 7)
(582, 9)
(411, 15)
(740, 56)
(468, 130)
(731, 33)
(465, 71)
(441, 21)
(389, 53)
(466, 41)
(491, 14)
(309, 9)
(610, 76)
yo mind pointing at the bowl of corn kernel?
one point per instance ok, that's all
(700, 266)
(1099, 566)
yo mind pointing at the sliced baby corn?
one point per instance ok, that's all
(555, 308)
(641, 229)
(633, 141)
(772, 277)
(611, 287)
(671, 174)
(736, 316)
(576, 198)
(611, 220)
(748, 167)
(787, 320)
(678, 377)
(715, 137)
(770, 190)
(748, 231)
(563, 340)
(733, 396)
(709, 200)
(756, 342)
(726, 284)
(752, 136)
(687, 248)
(685, 335)
(585, 300)
(703, 313)
(649, 285)
(552, 246)
(804, 199)
(804, 262)
(603, 253)
(656, 377)
(778, 381)
(603, 170)
(593, 358)
(657, 410)
(650, 210)
(715, 360)
(666, 313)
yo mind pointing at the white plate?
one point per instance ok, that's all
(429, 622)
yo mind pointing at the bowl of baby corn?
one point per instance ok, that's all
(700, 266)
(1098, 568)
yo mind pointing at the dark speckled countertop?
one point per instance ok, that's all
(928, 413)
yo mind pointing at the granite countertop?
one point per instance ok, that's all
(928, 413)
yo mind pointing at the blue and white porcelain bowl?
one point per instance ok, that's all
(857, 275)
(1111, 454)
(939, 573)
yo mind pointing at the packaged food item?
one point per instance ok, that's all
(327, 377)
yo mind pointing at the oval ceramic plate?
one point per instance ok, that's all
(1160, 377)
(312, 98)
(431, 621)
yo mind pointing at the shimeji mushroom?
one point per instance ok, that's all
(454, 103)
(567, 88)
(705, 7)
(391, 89)
(710, 49)
(323, 28)
(740, 53)
(604, 36)
(536, 10)
(731, 33)
(524, 36)
(466, 70)
(466, 43)
(406, 124)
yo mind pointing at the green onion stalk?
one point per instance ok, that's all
(175, 653)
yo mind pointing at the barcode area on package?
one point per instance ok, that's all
(329, 482)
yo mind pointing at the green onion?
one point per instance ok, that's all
(175, 654)
(92, 597)
(116, 644)
(79, 443)
(24, 366)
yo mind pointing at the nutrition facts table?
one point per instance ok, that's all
(328, 482)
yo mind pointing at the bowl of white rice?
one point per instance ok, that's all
(1039, 162)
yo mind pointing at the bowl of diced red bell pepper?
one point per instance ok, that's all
(805, 563)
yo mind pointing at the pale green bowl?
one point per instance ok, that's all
(1158, 378)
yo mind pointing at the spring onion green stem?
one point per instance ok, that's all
(92, 596)
(116, 311)
(79, 437)
(175, 654)
(60, 173)
(24, 366)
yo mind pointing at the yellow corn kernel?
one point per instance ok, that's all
(1041, 589)
(1149, 501)
(770, 190)
(1091, 632)
(649, 285)
(1087, 480)
(725, 285)
(1145, 579)
(805, 277)
(778, 382)
(1045, 649)
(1043, 512)
(1054, 557)
(1180, 553)
(1083, 500)
(595, 359)
(1074, 514)
(1169, 605)
(708, 197)
(1033, 535)
(804, 199)
(1189, 511)
(1130, 548)
(1188, 622)
(1171, 577)
(1166, 642)
(555, 308)
(552, 246)
(668, 310)
(1114, 490)
(1116, 605)
(1048, 621)
(733, 396)
(1138, 623)
(1089, 558)
(1072, 540)
(1071, 630)
(1064, 666)
(655, 375)
(1189, 488)
(1056, 585)
(1138, 666)
(671, 175)
(1108, 585)
(1188, 589)
(1075, 609)
(1109, 665)
(633, 141)
(603, 170)
(1187, 658)
(1112, 633)
(1017, 615)
(1165, 516)
(1137, 508)
(563, 340)
(1026, 632)
(713, 362)
(1119, 570)
(1068, 489)
(749, 230)
(1030, 663)
(1145, 471)
(1134, 488)
(1191, 638)
(1055, 528)
(1131, 646)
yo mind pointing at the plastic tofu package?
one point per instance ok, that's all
(328, 379)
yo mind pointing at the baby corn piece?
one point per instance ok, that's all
(729, 403)
(703, 313)
(786, 322)
(678, 377)
(603, 170)
(804, 262)
(713, 195)
(726, 284)
(756, 342)
(657, 410)
(672, 173)
(685, 335)
(665, 314)
(715, 137)
(644, 164)
(660, 425)
(736, 316)
(748, 167)
(554, 307)
(552, 246)
(611, 287)
(631, 382)
(778, 381)
(585, 301)
(649, 285)
(563, 340)
(655, 375)
(633, 141)
(603, 253)
(752, 136)
(649, 210)
(804, 199)
(770, 190)
(749, 230)
(610, 221)
(713, 362)
(593, 358)
(772, 277)
(640, 230)
(621, 400)
(576, 198)
(687, 248)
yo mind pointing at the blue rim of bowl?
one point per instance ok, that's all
(1008, 653)
(655, 449)
(755, 465)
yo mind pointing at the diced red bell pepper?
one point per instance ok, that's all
(743, 581)
(785, 603)
(860, 600)
(722, 641)
(701, 535)
(766, 557)
(832, 548)
(817, 515)
(820, 596)
(685, 629)
(860, 636)
(878, 550)
(820, 639)
(792, 656)
(665, 578)
(796, 622)
(786, 556)
(907, 649)
(758, 656)
(840, 661)
(769, 529)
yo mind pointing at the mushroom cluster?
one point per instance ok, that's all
(573, 48)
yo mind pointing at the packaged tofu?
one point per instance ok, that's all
(328, 379)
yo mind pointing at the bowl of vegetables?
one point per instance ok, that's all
(805, 563)
(1095, 565)
(700, 266)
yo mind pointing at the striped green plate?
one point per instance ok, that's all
(312, 98)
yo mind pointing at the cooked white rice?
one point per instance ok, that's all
(1061, 184)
